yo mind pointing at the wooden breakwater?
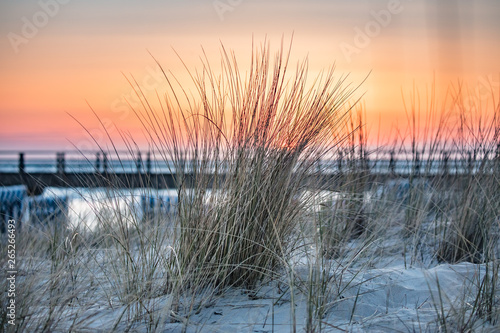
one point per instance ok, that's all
(40, 169)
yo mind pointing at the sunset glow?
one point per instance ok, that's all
(62, 59)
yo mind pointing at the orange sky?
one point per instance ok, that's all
(55, 55)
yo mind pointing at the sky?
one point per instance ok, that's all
(61, 61)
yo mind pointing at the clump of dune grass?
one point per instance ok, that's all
(448, 189)
(347, 219)
(135, 258)
(327, 280)
(50, 264)
(243, 150)
(472, 233)
(429, 130)
(475, 308)
(71, 276)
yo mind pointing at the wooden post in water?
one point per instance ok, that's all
(148, 163)
(392, 164)
(60, 163)
(416, 166)
(21, 163)
(365, 162)
(446, 158)
(104, 162)
(339, 162)
(97, 162)
(484, 163)
(470, 166)
(139, 162)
